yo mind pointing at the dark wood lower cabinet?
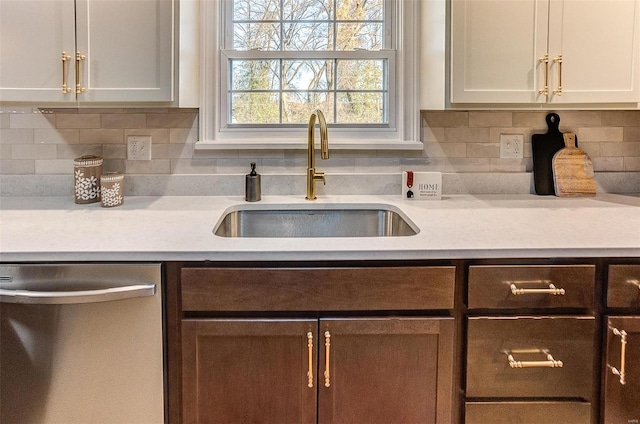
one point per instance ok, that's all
(622, 393)
(247, 371)
(386, 371)
(527, 413)
(378, 370)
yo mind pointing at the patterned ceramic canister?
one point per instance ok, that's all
(87, 171)
(111, 185)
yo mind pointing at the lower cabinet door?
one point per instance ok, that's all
(527, 413)
(387, 370)
(249, 371)
(622, 374)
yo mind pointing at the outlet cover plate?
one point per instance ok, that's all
(139, 147)
(512, 146)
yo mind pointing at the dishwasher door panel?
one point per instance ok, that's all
(98, 362)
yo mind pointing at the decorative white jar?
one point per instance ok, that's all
(87, 171)
(112, 186)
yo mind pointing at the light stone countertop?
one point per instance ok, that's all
(166, 228)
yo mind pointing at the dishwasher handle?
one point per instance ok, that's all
(78, 296)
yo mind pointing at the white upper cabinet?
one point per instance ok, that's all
(86, 51)
(34, 37)
(545, 51)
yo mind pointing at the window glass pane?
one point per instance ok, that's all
(361, 75)
(256, 10)
(275, 82)
(360, 10)
(259, 36)
(360, 108)
(365, 35)
(303, 36)
(307, 10)
(297, 106)
(308, 75)
(255, 74)
(255, 108)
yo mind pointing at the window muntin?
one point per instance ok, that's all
(283, 58)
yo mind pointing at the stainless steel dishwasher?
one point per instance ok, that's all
(81, 344)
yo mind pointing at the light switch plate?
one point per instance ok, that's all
(512, 146)
(139, 147)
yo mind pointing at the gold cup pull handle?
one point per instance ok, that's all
(327, 346)
(310, 347)
(623, 356)
(551, 288)
(549, 362)
(545, 90)
(558, 60)
(65, 59)
(79, 58)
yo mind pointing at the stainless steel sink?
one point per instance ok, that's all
(315, 221)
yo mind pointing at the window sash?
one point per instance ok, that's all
(388, 90)
(388, 23)
(387, 55)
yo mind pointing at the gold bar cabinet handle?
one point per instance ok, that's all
(65, 59)
(634, 281)
(552, 289)
(79, 88)
(549, 363)
(310, 347)
(623, 356)
(545, 90)
(558, 60)
(327, 346)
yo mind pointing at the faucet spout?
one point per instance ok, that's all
(312, 175)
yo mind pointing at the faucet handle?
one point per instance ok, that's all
(319, 176)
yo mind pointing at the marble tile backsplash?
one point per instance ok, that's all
(36, 141)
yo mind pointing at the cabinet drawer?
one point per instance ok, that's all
(527, 412)
(317, 289)
(528, 340)
(546, 286)
(624, 286)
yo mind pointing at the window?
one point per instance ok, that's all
(272, 62)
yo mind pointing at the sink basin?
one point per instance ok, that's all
(344, 220)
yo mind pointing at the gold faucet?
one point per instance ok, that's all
(312, 175)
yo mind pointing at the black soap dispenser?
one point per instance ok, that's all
(252, 185)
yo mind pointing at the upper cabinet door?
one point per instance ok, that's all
(496, 50)
(37, 41)
(545, 51)
(127, 48)
(600, 46)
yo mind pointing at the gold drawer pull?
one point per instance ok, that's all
(327, 345)
(634, 281)
(79, 88)
(310, 346)
(552, 289)
(65, 59)
(545, 91)
(623, 356)
(558, 60)
(549, 363)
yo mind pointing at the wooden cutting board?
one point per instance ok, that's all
(573, 170)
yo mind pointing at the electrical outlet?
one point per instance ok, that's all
(139, 147)
(512, 146)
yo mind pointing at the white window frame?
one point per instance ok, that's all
(403, 134)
